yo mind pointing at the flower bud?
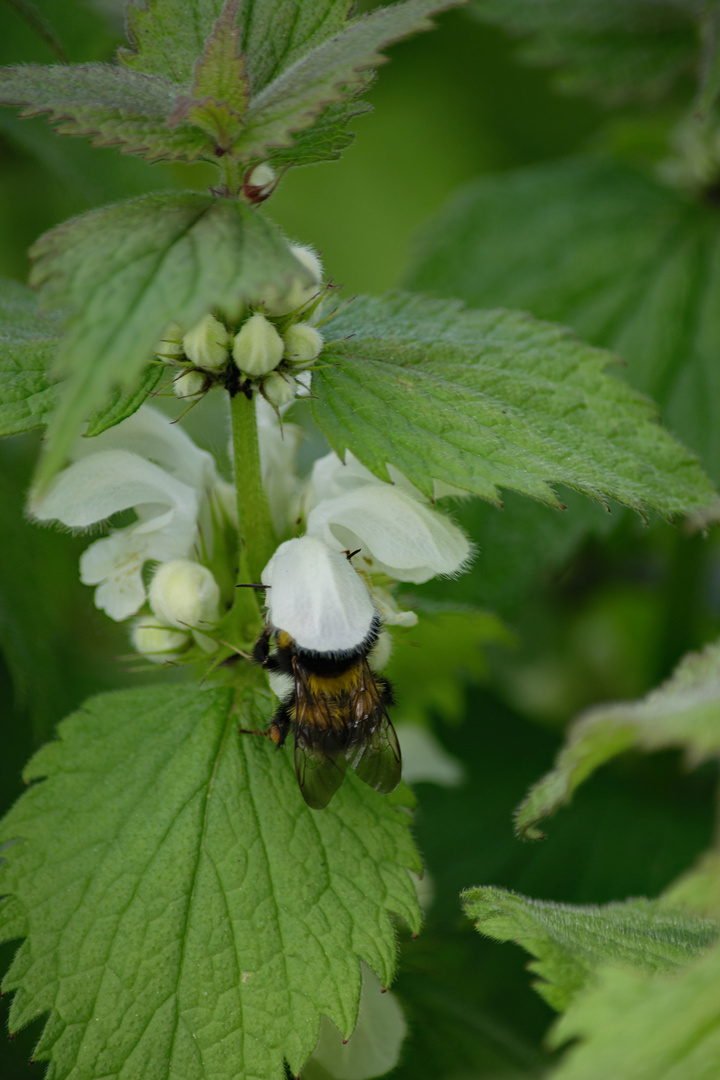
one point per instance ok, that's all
(189, 384)
(307, 257)
(258, 348)
(184, 594)
(259, 183)
(298, 294)
(158, 643)
(302, 343)
(170, 345)
(279, 389)
(207, 344)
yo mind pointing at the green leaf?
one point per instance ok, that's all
(183, 908)
(629, 834)
(484, 400)
(374, 1046)
(220, 91)
(684, 712)
(630, 264)
(220, 71)
(27, 345)
(643, 1028)
(300, 93)
(111, 106)
(247, 76)
(637, 49)
(570, 942)
(699, 888)
(273, 35)
(168, 37)
(121, 405)
(326, 139)
(126, 271)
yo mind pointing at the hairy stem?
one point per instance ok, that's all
(230, 173)
(257, 537)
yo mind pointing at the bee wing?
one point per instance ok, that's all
(377, 759)
(318, 775)
(320, 765)
(374, 752)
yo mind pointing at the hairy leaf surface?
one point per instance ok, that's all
(111, 106)
(185, 913)
(328, 73)
(124, 403)
(168, 38)
(28, 343)
(630, 264)
(485, 400)
(571, 942)
(684, 712)
(617, 51)
(640, 1027)
(126, 271)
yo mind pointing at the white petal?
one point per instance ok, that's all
(103, 557)
(331, 477)
(390, 613)
(315, 596)
(104, 483)
(397, 535)
(151, 435)
(374, 1046)
(278, 450)
(116, 563)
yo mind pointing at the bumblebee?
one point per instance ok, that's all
(319, 644)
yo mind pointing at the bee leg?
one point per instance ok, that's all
(261, 651)
(280, 725)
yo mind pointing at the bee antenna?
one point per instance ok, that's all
(351, 554)
(252, 586)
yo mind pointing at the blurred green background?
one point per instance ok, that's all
(594, 618)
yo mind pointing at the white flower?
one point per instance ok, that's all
(374, 1046)
(279, 444)
(150, 434)
(165, 479)
(317, 598)
(397, 532)
(183, 594)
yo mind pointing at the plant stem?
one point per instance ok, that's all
(230, 172)
(255, 528)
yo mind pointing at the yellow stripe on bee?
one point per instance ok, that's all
(335, 685)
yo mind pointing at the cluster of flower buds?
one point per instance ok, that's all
(267, 348)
